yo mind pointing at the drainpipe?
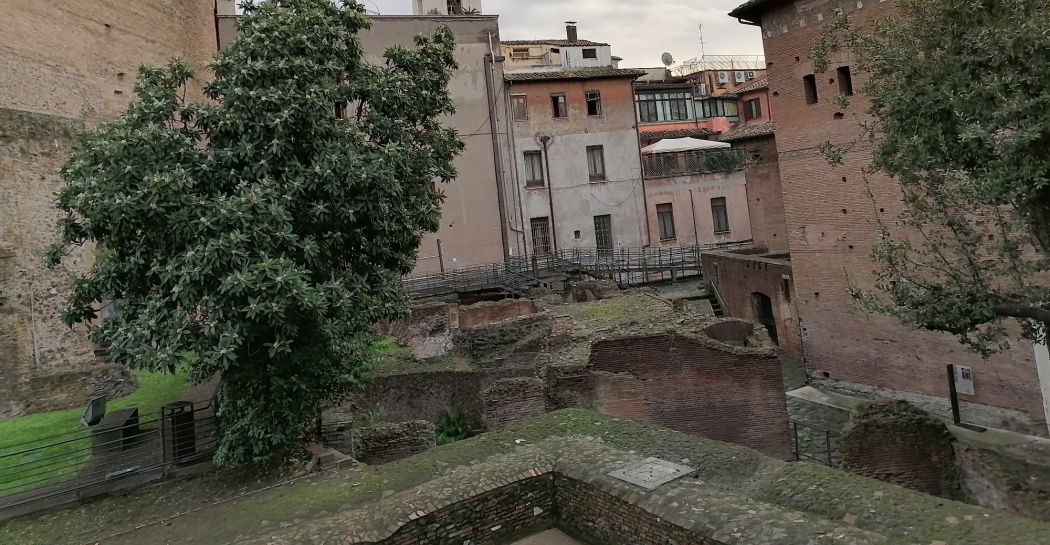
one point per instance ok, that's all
(645, 197)
(550, 192)
(497, 156)
(692, 208)
(513, 138)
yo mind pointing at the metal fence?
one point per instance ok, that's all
(124, 444)
(628, 266)
(681, 163)
(815, 444)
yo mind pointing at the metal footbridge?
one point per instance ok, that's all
(518, 275)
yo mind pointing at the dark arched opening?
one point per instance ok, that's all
(764, 314)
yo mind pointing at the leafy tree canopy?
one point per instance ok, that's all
(960, 116)
(264, 231)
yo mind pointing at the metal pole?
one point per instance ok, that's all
(441, 258)
(953, 395)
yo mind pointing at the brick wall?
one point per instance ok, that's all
(423, 396)
(499, 516)
(513, 400)
(490, 312)
(736, 277)
(830, 225)
(385, 442)
(1012, 481)
(765, 198)
(696, 386)
(593, 516)
(899, 443)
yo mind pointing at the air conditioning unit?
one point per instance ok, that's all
(722, 77)
(750, 74)
(700, 90)
(739, 77)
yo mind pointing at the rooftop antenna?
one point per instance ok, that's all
(700, 27)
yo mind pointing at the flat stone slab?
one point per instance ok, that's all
(650, 473)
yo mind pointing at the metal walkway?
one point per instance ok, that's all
(517, 275)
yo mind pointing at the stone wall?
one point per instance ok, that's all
(64, 67)
(423, 396)
(593, 516)
(44, 364)
(1013, 484)
(686, 383)
(513, 400)
(385, 442)
(896, 442)
(427, 332)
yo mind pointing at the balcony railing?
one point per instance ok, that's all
(683, 163)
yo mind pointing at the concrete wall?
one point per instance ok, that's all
(575, 198)
(470, 223)
(693, 220)
(737, 277)
(64, 67)
(830, 221)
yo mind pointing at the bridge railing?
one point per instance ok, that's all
(596, 261)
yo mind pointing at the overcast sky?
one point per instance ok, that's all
(638, 31)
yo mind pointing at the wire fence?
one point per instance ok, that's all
(122, 445)
(627, 266)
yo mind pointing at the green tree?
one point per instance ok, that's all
(264, 231)
(960, 116)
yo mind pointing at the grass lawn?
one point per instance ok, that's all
(65, 460)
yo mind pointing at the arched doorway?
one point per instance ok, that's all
(764, 314)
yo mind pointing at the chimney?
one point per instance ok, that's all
(570, 32)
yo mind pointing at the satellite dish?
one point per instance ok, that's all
(667, 59)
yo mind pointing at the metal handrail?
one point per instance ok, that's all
(588, 260)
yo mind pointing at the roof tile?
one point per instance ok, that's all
(578, 73)
(749, 130)
(562, 43)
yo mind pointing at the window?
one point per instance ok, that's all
(519, 53)
(665, 217)
(671, 106)
(558, 105)
(541, 235)
(594, 103)
(519, 105)
(533, 169)
(596, 163)
(718, 107)
(752, 109)
(603, 232)
(590, 53)
(809, 83)
(719, 215)
(555, 50)
(845, 81)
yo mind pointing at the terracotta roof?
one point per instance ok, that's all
(760, 83)
(677, 133)
(578, 73)
(750, 130)
(562, 43)
(750, 10)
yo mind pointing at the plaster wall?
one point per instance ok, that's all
(697, 210)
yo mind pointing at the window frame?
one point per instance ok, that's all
(664, 106)
(752, 109)
(559, 106)
(514, 106)
(601, 176)
(716, 204)
(665, 221)
(535, 182)
(597, 99)
(592, 50)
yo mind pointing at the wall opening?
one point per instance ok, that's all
(764, 314)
